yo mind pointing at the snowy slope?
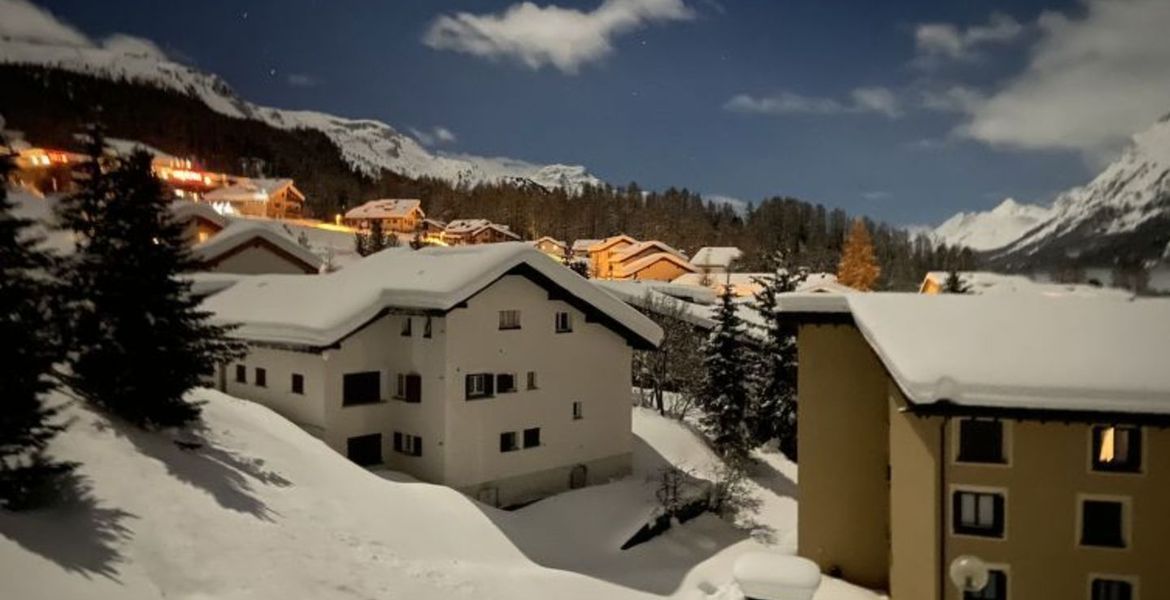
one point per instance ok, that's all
(368, 145)
(991, 229)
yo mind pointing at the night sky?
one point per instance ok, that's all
(907, 111)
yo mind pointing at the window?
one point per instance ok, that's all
(427, 328)
(532, 380)
(532, 437)
(578, 413)
(1102, 524)
(508, 442)
(1111, 589)
(261, 377)
(410, 445)
(241, 374)
(408, 387)
(509, 319)
(978, 513)
(505, 383)
(406, 327)
(564, 322)
(298, 383)
(361, 388)
(479, 385)
(365, 450)
(981, 441)
(1117, 449)
(996, 588)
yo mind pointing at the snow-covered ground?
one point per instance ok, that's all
(263, 510)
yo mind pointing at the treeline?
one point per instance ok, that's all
(51, 105)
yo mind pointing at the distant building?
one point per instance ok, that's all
(601, 255)
(713, 260)
(1028, 431)
(489, 368)
(552, 247)
(399, 216)
(580, 248)
(462, 232)
(273, 198)
(251, 247)
(200, 220)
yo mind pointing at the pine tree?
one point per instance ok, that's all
(376, 240)
(724, 392)
(772, 414)
(28, 352)
(359, 243)
(954, 284)
(858, 268)
(140, 341)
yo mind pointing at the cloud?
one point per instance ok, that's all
(877, 100)
(736, 204)
(876, 195)
(302, 80)
(22, 21)
(956, 98)
(1089, 84)
(539, 36)
(434, 137)
(942, 41)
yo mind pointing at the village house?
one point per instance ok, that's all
(398, 216)
(580, 249)
(462, 232)
(601, 255)
(1030, 432)
(272, 198)
(253, 247)
(652, 260)
(715, 260)
(200, 221)
(490, 368)
(552, 247)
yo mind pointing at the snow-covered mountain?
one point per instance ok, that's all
(368, 145)
(991, 229)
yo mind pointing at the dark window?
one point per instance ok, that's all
(365, 449)
(427, 328)
(410, 445)
(996, 588)
(241, 374)
(261, 377)
(361, 388)
(1117, 449)
(410, 387)
(1112, 589)
(406, 327)
(479, 385)
(978, 513)
(578, 413)
(298, 383)
(532, 437)
(564, 322)
(508, 441)
(1101, 524)
(532, 380)
(505, 383)
(509, 319)
(981, 441)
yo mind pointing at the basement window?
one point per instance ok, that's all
(978, 513)
(981, 441)
(1117, 449)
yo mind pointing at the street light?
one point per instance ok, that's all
(969, 573)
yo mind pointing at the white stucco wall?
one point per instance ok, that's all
(306, 410)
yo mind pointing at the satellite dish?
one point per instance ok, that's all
(969, 573)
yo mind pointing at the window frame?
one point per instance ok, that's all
(515, 442)
(487, 388)
(261, 376)
(428, 328)
(242, 374)
(1126, 525)
(297, 384)
(578, 410)
(1005, 443)
(347, 404)
(958, 530)
(1134, 582)
(525, 438)
(505, 324)
(568, 326)
(500, 389)
(407, 444)
(1095, 466)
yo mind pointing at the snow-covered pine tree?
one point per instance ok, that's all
(140, 341)
(954, 284)
(858, 268)
(29, 350)
(724, 391)
(772, 413)
(359, 243)
(376, 239)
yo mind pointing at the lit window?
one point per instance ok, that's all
(1117, 448)
(978, 513)
(509, 319)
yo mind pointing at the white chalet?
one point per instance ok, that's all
(487, 368)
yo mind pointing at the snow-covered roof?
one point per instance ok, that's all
(184, 210)
(584, 245)
(384, 209)
(208, 283)
(474, 226)
(628, 269)
(1022, 351)
(551, 240)
(244, 231)
(248, 190)
(319, 311)
(610, 241)
(631, 251)
(986, 282)
(716, 256)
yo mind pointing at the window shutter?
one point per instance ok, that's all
(417, 446)
(999, 515)
(397, 442)
(413, 388)
(489, 385)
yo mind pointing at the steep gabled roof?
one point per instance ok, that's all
(715, 256)
(631, 251)
(244, 231)
(320, 311)
(627, 269)
(251, 190)
(610, 241)
(184, 210)
(384, 209)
